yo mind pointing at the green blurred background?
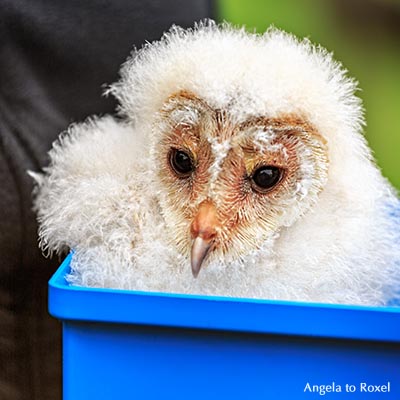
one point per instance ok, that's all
(364, 35)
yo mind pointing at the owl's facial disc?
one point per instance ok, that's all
(228, 186)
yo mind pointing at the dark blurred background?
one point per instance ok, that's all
(55, 56)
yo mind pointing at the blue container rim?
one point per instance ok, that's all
(336, 321)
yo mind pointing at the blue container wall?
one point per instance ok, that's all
(136, 345)
(116, 361)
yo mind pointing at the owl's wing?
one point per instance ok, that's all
(86, 196)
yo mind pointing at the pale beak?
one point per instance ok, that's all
(200, 250)
(203, 231)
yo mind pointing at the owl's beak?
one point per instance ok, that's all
(203, 231)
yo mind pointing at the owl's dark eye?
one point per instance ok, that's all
(181, 162)
(265, 178)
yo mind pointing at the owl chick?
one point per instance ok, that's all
(238, 159)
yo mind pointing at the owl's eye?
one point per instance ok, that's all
(265, 178)
(181, 162)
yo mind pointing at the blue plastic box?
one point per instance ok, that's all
(135, 345)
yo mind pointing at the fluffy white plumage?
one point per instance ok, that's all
(102, 194)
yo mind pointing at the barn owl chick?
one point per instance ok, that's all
(237, 167)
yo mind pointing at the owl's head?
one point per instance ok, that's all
(245, 131)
